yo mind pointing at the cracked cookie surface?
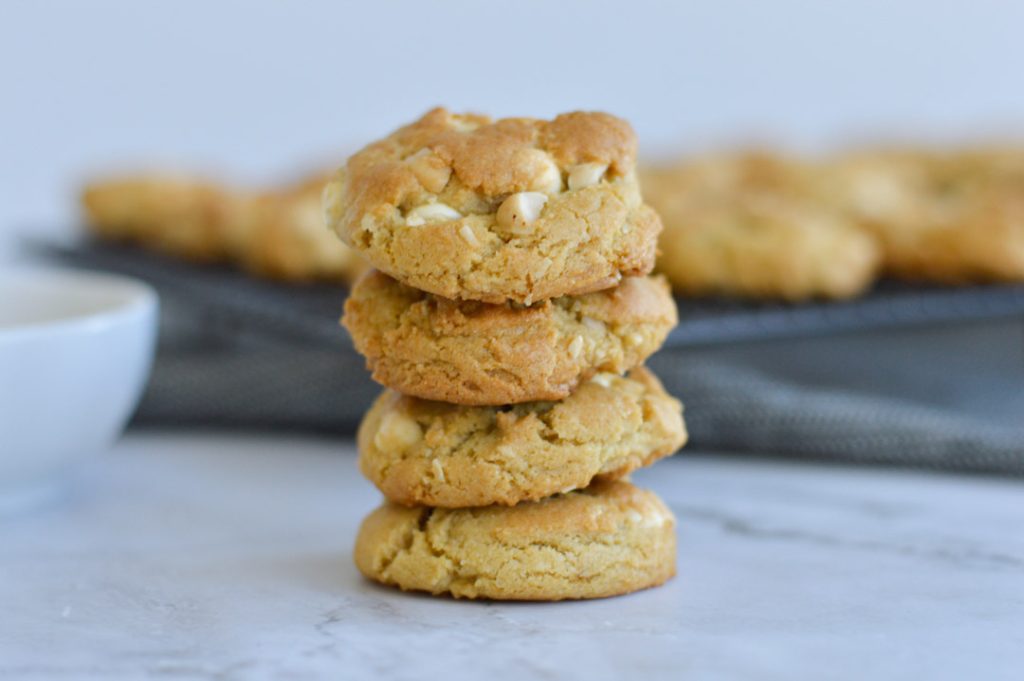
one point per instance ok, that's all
(516, 209)
(609, 539)
(473, 353)
(433, 453)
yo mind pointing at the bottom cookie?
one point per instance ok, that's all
(608, 539)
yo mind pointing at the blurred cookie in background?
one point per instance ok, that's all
(277, 233)
(749, 225)
(950, 217)
(288, 240)
(177, 215)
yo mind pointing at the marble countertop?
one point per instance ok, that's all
(217, 557)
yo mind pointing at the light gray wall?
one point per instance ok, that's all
(257, 88)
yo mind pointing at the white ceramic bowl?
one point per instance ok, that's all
(75, 352)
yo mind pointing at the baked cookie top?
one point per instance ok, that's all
(467, 352)
(516, 209)
(422, 452)
(611, 538)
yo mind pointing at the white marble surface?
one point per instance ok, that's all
(202, 557)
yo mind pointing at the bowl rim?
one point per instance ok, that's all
(136, 299)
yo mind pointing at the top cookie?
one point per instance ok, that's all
(517, 209)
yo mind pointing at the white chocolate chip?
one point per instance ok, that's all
(603, 379)
(661, 519)
(431, 212)
(654, 518)
(397, 433)
(461, 124)
(541, 268)
(634, 339)
(520, 210)
(435, 465)
(576, 346)
(595, 325)
(432, 172)
(586, 175)
(466, 233)
(547, 178)
(876, 195)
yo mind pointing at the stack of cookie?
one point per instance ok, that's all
(510, 329)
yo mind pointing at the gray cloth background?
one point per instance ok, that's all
(910, 376)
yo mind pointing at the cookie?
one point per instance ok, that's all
(287, 238)
(279, 233)
(609, 539)
(517, 209)
(766, 248)
(473, 353)
(952, 218)
(422, 452)
(750, 226)
(178, 216)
